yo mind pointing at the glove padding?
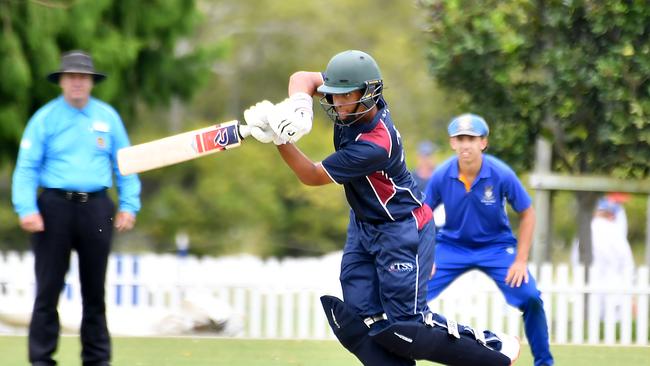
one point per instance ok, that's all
(266, 135)
(292, 118)
(257, 118)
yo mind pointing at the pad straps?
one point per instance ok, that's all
(453, 328)
(374, 319)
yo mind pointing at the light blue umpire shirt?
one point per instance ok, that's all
(74, 150)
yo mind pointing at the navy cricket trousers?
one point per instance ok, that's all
(385, 268)
(86, 227)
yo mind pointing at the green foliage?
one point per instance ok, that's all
(575, 71)
(135, 43)
(265, 50)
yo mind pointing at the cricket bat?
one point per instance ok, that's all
(181, 147)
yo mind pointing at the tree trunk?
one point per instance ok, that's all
(586, 204)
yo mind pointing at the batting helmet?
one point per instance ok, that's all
(346, 72)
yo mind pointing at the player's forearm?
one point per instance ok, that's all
(309, 173)
(526, 228)
(305, 82)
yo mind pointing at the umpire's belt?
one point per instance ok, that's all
(81, 197)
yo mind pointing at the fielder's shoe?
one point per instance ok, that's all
(510, 346)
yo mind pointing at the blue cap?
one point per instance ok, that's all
(468, 124)
(606, 205)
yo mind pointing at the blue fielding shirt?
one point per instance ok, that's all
(369, 163)
(478, 217)
(74, 150)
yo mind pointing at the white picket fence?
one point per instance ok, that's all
(280, 298)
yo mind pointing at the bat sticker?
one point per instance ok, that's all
(217, 139)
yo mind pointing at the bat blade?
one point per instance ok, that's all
(179, 148)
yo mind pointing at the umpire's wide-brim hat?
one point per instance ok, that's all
(76, 62)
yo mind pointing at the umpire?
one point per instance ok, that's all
(69, 150)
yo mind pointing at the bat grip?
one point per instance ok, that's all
(244, 131)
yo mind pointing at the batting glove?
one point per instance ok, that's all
(256, 118)
(292, 118)
(257, 115)
(266, 135)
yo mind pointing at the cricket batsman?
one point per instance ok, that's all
(388, 255)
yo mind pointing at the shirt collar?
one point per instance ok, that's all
(72, 109)
(485, 171)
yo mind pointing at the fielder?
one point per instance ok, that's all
(474, 188)
(388, 255)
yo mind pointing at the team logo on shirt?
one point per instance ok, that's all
(101, 143)
(488, 196)
(400, 267)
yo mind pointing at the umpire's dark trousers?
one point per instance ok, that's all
(85, 224)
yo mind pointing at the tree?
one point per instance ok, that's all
(575, 72)
(135, 42)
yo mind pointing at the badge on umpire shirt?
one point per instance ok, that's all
(101, 126)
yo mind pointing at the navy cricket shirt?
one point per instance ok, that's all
(369, 163)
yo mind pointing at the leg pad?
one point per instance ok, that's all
(351, 331)
(422, 342)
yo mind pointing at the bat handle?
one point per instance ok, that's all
(244, 131)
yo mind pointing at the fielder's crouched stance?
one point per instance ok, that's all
(435, 340)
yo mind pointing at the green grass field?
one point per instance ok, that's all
(200, 351)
